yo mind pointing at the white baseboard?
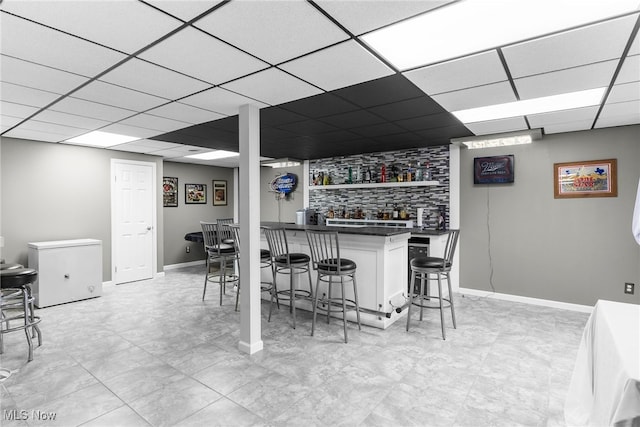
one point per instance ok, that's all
(183, 264)
(250, 348)
(158, 274)
(528, 300)
(108, 283)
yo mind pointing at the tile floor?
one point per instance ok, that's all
(152, 353)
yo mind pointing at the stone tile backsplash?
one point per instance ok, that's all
(371, 200)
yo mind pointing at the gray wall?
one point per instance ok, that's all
(184, 219)
(269, 203)
(59, 192)
(520, 240)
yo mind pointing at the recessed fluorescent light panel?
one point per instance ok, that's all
(101, 139)
(471, 26)
(546, 104)
(280, 163)
(499, 140)
(213, 155)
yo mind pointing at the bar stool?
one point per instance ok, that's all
(214, 235)
(285, 262)
(422, 268)
(16, 304)
(265, 262)
(325, 253)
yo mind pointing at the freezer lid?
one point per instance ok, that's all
(64, 243)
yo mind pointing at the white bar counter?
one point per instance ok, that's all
(382, 268)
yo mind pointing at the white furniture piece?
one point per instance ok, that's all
(68, 270)
(605, 385)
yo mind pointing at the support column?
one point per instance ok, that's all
(249, 198)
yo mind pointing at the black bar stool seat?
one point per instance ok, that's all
(17, 305)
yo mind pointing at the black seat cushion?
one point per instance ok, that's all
(17, 277)
(264, 254)
(332, 264)
(10, 266)
(222, 249)
(296, 258)
(429, 262)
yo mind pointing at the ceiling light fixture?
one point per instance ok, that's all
(499, 139)
(284, 162)
(101, 139)
(471, 26)
(545, 104)
(213, 155)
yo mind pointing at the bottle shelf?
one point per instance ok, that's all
(374, 185)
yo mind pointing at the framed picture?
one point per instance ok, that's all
(493, 170)
(219, 193)
(594, 178)
(195, 193)
(169, 192)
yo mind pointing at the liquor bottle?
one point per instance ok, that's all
(325, 179)
(358, 177)
(427, 172)
(395, 212)
(383, 173)
(330, 214)
(313, 178)
(350, 178)
(409, 173)
(367, 174)
(418, 172)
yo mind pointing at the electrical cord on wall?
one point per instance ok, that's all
(493, 289)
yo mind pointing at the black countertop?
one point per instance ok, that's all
(363, 231)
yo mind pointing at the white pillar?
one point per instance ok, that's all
(454, 210)
(249, 198)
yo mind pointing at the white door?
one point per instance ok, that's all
(133, 220)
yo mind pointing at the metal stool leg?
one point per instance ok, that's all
(206, 277)
(329, 298)
(292, 300)
(441, 312)
(355, 299)
(423, 276)
(413, 282)
(25, 304)
(344, 309)
(274, 291)
(453, 313)
(315, 305)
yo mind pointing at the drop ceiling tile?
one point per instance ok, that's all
(319, 106)
(151, 145)
(635, 46)
(35, 135)
(185, 113)
(565, 81)
(117, 96)
(360, 16)
(220, 101)
(475, 70)
(381, 129)
(272, 31)
(73, 120)
(565, 116)
(385, 90)
(428, 122)
(51, 128)
(344, 64)
(26, 96)
(568, 127)
(152, 79)
(129, 130)
(353, 119)
(16, 110)
(307, 127)
(54, 49)
(497, 126)
(619, 114)
(148, 121)
(274, 116)
(630, 71)
(624, 92)
(496, 93)
(181, 151)
(115, 24)
(95, 110)
(199, 55)
(37, 76)
(408, 109)
(185, 10)
(594, 43)
(8, 121)
(272, 86)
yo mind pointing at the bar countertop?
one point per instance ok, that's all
(364, 231)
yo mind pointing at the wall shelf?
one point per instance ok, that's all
(374, 185)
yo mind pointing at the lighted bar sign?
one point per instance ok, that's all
(493, 170)
(284, 184)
